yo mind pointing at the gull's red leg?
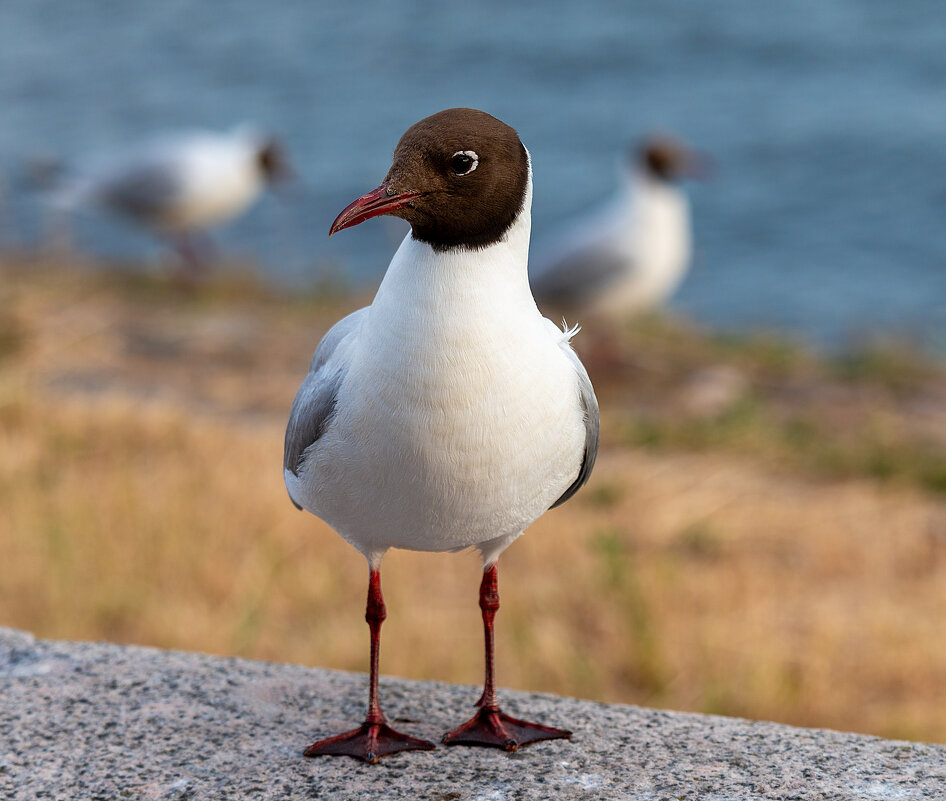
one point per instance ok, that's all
(195, 251)
(490, 726)
(374, 738)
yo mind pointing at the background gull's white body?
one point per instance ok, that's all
(458, 421)
(177, 183)
(628, 255)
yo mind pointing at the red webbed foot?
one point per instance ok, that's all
(370, 742)
(492, 728)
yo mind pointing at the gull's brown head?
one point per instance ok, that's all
(459, 177)
(273, 162)
(668, 159)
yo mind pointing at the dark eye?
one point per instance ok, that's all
(463, 162)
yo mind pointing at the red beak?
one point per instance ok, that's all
(376, 202)
(698, 166)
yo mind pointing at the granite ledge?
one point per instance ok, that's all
(96, 721)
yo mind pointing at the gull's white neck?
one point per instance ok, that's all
(638, 181)
(460, 286)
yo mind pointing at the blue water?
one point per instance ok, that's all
(827, 121)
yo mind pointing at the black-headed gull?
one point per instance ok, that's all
(449, 413)
(177, 186)
(630, 254)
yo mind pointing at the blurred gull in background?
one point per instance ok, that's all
(630, 254)
(179, 185)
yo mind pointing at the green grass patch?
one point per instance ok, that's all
(798, 441)
(895, 366)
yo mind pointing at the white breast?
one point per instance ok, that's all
(458, 421)
(220, 178)
(651, 228)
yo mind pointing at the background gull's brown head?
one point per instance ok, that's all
(668, 159)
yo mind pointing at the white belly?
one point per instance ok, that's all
(449, 443)
(208, 204)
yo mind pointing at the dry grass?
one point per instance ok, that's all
(141, 500)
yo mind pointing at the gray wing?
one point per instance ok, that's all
(314, 405)
(589, 407)
(141, 191)
(577, 277)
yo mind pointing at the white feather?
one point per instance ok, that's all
(458, 422)
(644, 228)
(176, 183)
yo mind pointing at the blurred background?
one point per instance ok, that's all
(765, 533)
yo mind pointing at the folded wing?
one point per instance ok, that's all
(589, 408)
(315, 402)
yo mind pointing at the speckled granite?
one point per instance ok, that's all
(93, 721)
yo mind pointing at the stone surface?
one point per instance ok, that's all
(96, 721)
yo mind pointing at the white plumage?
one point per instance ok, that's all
(179, 184)
(458, 420)
(628, 255)
(449, 413)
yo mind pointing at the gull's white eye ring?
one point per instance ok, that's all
(463, 162)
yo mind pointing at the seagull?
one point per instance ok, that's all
(448, 414)
(630, 254)
(179, 185)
